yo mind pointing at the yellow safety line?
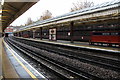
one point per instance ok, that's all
(30, 73)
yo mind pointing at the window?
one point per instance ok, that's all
(115, 33)
(97, 33)
(105, 33)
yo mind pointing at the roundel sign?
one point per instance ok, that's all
(52, 34)
(52, 31)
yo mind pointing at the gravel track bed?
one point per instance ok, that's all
(35, 63)
(51, 66)
(94, 70)
(80, 55)
(76, 51)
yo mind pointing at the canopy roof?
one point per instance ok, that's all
(107, 6)
(11, 11)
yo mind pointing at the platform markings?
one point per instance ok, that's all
(27, 70)
(33, 69)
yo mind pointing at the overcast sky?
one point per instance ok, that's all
(56, 7)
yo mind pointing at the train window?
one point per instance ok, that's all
(105, 33)
(119, 33)
(115, 33)
(97, 33)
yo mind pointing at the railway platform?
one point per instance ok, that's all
(78, 45)
(6, 68)
(13, 66)
(1, 75)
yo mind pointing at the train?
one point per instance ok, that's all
(108, 38)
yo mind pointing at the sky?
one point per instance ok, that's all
(56, 7)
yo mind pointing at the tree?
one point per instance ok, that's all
(81, 5)
(46, 15)
(29, 21)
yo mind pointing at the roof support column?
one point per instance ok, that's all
(71, 31)
(28, 33)
(18, 34)
(41, 33)
(22, 34)
(33, 34)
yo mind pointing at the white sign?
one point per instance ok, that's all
(52, 34)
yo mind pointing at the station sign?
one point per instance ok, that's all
(52, 34)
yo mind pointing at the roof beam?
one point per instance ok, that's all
(12, 10)
(11, 7)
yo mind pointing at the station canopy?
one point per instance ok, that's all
(12, 9)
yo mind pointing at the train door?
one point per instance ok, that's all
(52, 34)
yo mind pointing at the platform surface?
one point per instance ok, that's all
(0, 58)
(6, 68)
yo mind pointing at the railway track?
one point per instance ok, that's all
(33, 48)
(66, 73)
(85, 56)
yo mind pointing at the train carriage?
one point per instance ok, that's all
(109, 38)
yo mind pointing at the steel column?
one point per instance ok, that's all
(71, 31)
(33, 34)
(41, 33)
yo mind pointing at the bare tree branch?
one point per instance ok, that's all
(46, 15)
(81, 5)
(29, 21)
